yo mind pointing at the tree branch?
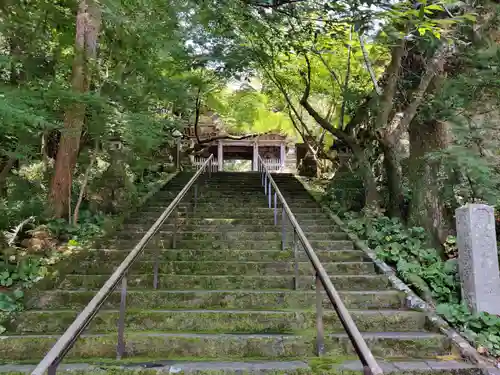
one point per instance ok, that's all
(275, 4)
(386, 101)
(368, 64)
(330, 70)
(401, 121)
(346, 82)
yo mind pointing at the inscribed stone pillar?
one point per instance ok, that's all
(220, 156)
(255, 166)
(282, 156)
(478, 258)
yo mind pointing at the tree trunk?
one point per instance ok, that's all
(5, 169)
(394, 179)
(426, 208)
(372, 196)
(82, 190)
(87, 29)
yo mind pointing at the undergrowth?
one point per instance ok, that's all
(432, 273)
(24, 264)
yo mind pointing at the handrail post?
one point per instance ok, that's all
(283, 229)
(52, 370)
(156, 268)
(320, 338)
(265, 183)
(275, 209)
(120, 347)
(270, 192)
(195, 192)
(174, 236)
(296, 260)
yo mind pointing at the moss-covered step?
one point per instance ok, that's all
(185, 366)
(236, 208)
(114, 256)
(431, 366)
(233, 207)
(268, 220)
(254, 215)
(226, 268)
(233, 234)
(197, 282)
(216, 299)
(323, 366)
(278, 346)
(155, 243)
(217, 321)
(187, 226)
(230, 201)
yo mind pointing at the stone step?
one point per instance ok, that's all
(213, 282)
(431, 366)
(216, 299)
(188, 366)
(234, 203)
(257, 215)
(277, 346)
(403, 366)
(221, 220)
(235, 209)
(226, 268)
(217, 321)
(197, 226)
(234, 213)
(246, 190)
(230, 235)
(209, 194)
(224, 244)
(114, 256)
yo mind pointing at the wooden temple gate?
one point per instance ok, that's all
(271, 147)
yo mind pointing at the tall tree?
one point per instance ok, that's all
(88, 23)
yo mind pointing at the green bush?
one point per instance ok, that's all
(406, 250)
(481, 328)
(424, 269)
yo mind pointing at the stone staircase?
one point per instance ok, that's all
(225, 303)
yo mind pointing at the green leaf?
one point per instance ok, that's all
(434, 7)
(18, 294)
(470, 16)
(421, 13)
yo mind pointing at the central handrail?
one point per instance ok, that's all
(67, 340)
(364, 353)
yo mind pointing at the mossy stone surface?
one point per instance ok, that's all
(183, 282)
(157, 345)
(161, 299)
(219, 321)
(227, 268)
(201, 255)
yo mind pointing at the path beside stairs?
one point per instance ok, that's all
(225, 300)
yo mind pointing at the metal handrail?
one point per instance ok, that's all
(364, 353)
(67, 340)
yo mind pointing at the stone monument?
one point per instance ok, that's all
(478, 257)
